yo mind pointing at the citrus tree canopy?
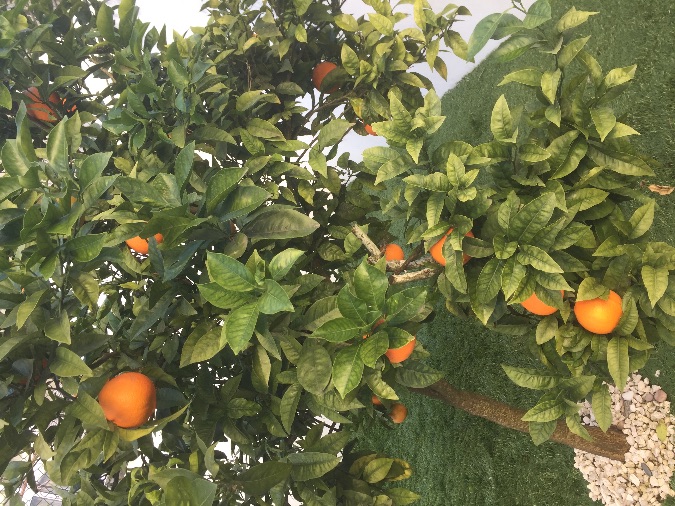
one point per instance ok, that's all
(192, 307)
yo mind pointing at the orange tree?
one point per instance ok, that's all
(261, 276)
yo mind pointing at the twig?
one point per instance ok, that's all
(401, 265)
(367, 242)
(397, 279)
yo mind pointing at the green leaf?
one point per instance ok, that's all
(602, 407)
(528, 77)
(655, 280)
(347, 22)
(347, 370)
(350, 60)
(352, 307)
(58, 329)
(377, 469)
(576, 427)
(570, 51)
(484, 30)
(282, 262)
(545, 411)
(338, 330)
(229, 273)
(642, 220)
(590, 288)
(618, 361)
(554, 114)
(550, 81)
(221, 297)
(178, 75)
(26, 308)
(67, 364)
(86, 247)
(573, 18)
(332, 132)
(514, 47)
(221, 185)
(540, 432)
(404, 305)
(370, 285)
(374, 347)
(621, 163)
(311, 465)
(489, 280)
(134, 434)
(259, 479)
(86, 408)
(289, 406)
(586, 198)
(57, 149)
(250, 98)
(183, 165)
(92, 167)
(279, 223)
(314, 369)
(531, 378)
(202, 344)
(532, 153)
(546, 329)
(538, 258)
(538, 14)
(5, 97)
(381, 23)
(238, 328)
(531, 219)
(415, 374)
(501, 122)
(604, 120)
(274, 298)
(105, 23)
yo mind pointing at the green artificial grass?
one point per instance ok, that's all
(463, 460)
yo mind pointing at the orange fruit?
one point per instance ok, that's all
(37, 109)
(534, 305)
(128, 400)
(370, 130)
(320, 72)
(393, 252)
(598, 315)
(398, 355)
(398, 412)
(437, 249)
(376, 400)
(140, 245)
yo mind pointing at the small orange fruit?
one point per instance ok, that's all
(398, 355)
(393, 252)
(370, 130)
(376, 400)
(599, 316)
(320, 72)
(140, 245)
(437, 249)
(398, 412)
(375, 325)
(534, 305)
(128, 400)
(37, 109)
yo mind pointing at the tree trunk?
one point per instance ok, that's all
(611, 444)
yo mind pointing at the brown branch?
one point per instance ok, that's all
(397, 279)
(400, 265)
(611, 444)
(367, 242)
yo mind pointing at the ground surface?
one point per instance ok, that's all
(463, 460)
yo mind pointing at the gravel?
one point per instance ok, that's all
(644, 479)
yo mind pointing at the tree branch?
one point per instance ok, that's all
(397, 279)
(611, 444)
(372, 248)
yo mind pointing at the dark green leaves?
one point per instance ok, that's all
(229, 273)
(484, 30)
(370, 285)
(347, 369)
(280, 223)
(259, 479)
(618, 361)
(531, 378)
(239, 326)
(314, 369)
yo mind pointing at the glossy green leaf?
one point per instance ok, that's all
(545, 411)
(538, 14)
(370, 285)
(531, 378)
(573, 18)
(538, 258)
(67, 364)
(229, 273)
(311, 465)
(540, 432)
(238, 328)
(58, 329)
(280, 224)
(415, 374)
(314, 369)
(274, 298)
(90, 412)
(347, 369)
(618, 361)
(602, 407)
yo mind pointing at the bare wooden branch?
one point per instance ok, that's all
(372, 248)
(399, 265)
(611, 444)
(397, 279)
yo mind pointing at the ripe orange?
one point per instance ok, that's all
(37, 109)
(398, 412)
(320, 72)
(140, 245)
(534, 305)
(128, 400)
(370, 130)
(376, 400)
(393, 252)
(398, 355)
(598, 315)
(437, 249)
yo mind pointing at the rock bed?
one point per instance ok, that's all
(644, 479)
